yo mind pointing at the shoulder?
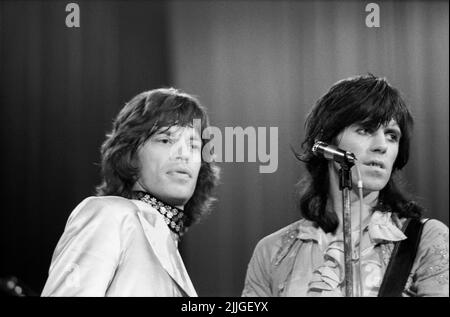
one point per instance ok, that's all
(434, 235)
(285, 234)
(277, 238)
(277, 244)
(431, 262)
(434, 225)
(104, 207)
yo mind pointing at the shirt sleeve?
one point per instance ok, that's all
(257, 280)
(87, 253)
(431, 276)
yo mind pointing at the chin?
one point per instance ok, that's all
(374, 186)
(179, 197)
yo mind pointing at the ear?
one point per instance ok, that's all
(133, 159)
(336, 140)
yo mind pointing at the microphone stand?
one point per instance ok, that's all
(346, 161)
(345, 185)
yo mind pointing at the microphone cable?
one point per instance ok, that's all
(360, 194)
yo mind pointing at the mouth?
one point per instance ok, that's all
(375, 163)
(180, 171)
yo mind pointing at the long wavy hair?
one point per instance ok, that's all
(371, 102)
(138, 120)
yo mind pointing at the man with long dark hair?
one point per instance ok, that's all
(366, 116)
(124, 242)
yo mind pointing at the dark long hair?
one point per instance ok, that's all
(138, 120)
(371, 102)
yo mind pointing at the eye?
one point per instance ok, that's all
(393, 136)
(363, 131)
(163, 140)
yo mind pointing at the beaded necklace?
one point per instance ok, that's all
(174, 217)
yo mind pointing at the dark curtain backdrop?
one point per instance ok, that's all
(251, 63)
(265, 63)
(60, 89)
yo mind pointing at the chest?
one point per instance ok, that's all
(310, 270)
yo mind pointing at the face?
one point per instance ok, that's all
(375, 151)
(169, 164)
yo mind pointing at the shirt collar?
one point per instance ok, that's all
(381, 227)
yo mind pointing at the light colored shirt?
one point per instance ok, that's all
(112, 246)
(302, 260)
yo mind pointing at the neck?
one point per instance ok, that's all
(140, 188)
(334, 203)
(174, 218)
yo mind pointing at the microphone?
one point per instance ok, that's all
(331, 152)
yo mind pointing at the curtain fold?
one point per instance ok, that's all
(60, 88)
(265, 63)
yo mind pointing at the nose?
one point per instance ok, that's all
(180, 151)
(379, 143)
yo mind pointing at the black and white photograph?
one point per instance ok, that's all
(234, 151)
